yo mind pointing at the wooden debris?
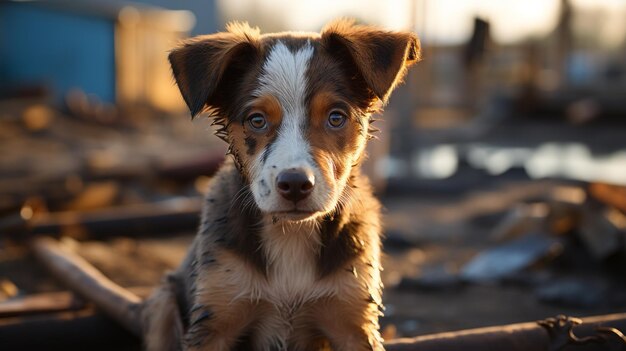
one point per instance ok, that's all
(47, 304)
(599, 233)
(563, 217)
(37, 117)
(612, 195)
(205, 165)
(172, 216)
(81, 277)
(7, 289)
(522, 219)
(510, 258)
(554, 217)
(95, 195)
(40, 304)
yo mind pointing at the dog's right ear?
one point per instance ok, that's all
(381, 57)
(203, 65)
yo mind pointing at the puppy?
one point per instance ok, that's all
(288, 253)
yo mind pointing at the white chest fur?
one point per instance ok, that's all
(292, 251)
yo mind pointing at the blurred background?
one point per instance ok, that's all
(501, 161)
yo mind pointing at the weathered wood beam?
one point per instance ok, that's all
(62, 301)
(52, 302)
(84, 279)
(168, 217)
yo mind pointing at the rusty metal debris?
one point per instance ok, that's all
(553, 334)
(561, 332)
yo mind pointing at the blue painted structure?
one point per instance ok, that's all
(65, 44)
(60, 49)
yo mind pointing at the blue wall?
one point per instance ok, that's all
(62, 50)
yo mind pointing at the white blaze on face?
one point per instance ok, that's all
(284, 77)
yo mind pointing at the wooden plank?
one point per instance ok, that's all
(51, 302)
(81, 277)
(168, 217)
(40, 303)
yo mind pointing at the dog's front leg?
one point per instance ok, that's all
(163, 329)
(355, 338)
(218, 327)
(349, 326)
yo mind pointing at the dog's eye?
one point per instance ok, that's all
(336, 119)
(257, 121)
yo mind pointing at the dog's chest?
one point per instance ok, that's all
(292, 253)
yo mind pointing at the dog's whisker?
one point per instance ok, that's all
(240, 196)
(239, 193)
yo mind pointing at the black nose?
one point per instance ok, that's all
(294, 184)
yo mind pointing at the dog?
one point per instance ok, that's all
(287, 256)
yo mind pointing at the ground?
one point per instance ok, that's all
(433, 227)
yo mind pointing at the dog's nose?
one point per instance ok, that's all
(294, 184)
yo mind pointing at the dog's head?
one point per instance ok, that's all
(294, 107)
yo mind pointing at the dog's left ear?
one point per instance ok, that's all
(380, 56)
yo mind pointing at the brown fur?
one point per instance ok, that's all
(162, 306)
(231, 291)
(391, 53)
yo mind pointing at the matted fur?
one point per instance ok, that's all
(264, 272)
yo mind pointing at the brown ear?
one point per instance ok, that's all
(201, 64)
(380, 56)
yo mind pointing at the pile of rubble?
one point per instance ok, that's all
(568, 248)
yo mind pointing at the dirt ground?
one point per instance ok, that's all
(433, 228)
